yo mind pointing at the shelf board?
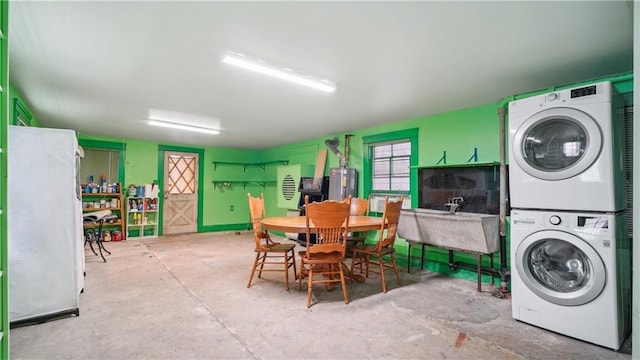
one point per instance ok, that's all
(101, 194)
(474, 164)
(88, 210)
(261, 164)
(262, 183)
(93, 225)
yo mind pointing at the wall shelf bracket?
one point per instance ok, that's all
(443, 159)
(474, 157)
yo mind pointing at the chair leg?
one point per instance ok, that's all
(293, 260)
(367, 259)
(286, 270)
(300, 277)
(395, 268)
(263, 259)
(381, 265)
(353, 260)
(344, 285)
(99, 244)
(253, 269)
(91, 246)
(309, 286)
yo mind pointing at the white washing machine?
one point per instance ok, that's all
(566, 150)
(570, 273)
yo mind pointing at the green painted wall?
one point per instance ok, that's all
(457, 133)
(140, 163)
(224, 207)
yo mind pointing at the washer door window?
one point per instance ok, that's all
(557, 143)
(560, 268)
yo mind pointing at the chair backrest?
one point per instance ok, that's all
(359, 206)
(256, 210)
(390, 217)
(328, 221)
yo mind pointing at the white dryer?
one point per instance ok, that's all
(567, 150)
(571, 274)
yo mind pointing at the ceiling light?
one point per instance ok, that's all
(178, 126)
(261, 67)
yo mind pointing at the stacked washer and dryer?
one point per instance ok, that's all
(570, 257)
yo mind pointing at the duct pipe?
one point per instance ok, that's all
(504, 272)
(346, 149)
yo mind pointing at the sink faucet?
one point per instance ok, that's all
(454, 203)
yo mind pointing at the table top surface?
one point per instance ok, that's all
(299, 223)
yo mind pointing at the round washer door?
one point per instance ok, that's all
(560, 267)
(557, 143)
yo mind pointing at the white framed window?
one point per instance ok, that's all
(391, 164)
(390, 167)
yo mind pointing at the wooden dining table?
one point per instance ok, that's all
(298, 224)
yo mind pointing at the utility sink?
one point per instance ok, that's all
(467, 232)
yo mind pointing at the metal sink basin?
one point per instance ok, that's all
(468, 232)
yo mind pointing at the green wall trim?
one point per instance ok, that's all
(200, 152)
(390, 136)
(111, 145)
(21, 110)
(412, 135)
(225, 227)
(102, 144)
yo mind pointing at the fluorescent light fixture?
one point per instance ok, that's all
(286, 74)
(178, 126)
(183, 121)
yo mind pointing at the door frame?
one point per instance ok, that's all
(161, 152)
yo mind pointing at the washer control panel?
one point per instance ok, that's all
(585, 223)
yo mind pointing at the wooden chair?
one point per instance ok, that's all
(276, 256)
(322, 261)
(383, 250)
(359, 207)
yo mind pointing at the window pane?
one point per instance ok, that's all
(400, 166)
(402, 149)
(381, 167)
(382, 151)
(400, 183)
(381, 183)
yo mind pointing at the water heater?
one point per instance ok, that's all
(342, 183)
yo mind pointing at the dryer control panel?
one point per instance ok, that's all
(583, 91)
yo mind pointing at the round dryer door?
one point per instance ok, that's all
(557, 143)
(560, 267)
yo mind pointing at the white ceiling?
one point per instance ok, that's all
(98, 67)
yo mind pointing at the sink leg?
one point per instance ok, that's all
(408, 257)
(479, 273)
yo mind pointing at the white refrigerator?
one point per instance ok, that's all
(44, 219)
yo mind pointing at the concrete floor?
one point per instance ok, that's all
(185, 297)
